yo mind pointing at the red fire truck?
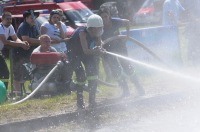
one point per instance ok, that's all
(76, 13)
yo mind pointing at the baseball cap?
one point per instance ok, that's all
(28, 13)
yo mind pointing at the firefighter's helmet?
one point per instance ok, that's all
(94, 21)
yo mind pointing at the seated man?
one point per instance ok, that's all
(45, 42)
(60, 80)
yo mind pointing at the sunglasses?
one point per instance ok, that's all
(8, 19)
(54, 12)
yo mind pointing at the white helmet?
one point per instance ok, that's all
(94, 21)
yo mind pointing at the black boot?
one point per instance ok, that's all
(124, 86)
(67, 86)
(139, 88)
(80, 103)
(92, 85)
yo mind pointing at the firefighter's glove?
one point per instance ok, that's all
(125, 38)
(99, 50)
(60, 64)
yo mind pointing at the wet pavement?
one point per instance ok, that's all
(171, 104)
(160, 113)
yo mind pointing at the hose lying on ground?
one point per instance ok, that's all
(107, 84)
(38, 87)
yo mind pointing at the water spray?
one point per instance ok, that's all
(168, 71)
(151, 53)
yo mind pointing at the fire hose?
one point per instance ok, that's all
(39, 86)
(135, 42)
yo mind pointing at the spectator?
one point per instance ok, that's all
(61, 75)
(61, 15)
(84, 48)
(45, 42)
(111, 28)
(27, 31)
(171, 12)
(62, 19)
(192, 31)
(56, 30)
(6, 30)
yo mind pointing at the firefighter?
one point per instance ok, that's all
(84, 48)
(118, 65)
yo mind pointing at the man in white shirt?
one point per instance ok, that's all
(171, 12)
(7, 30)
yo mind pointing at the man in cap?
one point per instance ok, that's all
(84, 48)
(27, 31)
(6, 30)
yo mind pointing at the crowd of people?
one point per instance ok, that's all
(83, 49)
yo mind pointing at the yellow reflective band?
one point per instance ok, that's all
(132, 74)
(121, 76)
(92, 77)
(80, 83)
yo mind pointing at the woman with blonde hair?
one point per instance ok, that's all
(56, 31)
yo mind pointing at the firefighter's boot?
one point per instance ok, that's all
(124, 86)
(139, 88)
(80, 103)
(92, 85)
(67, 87)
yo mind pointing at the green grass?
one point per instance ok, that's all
(49, 105)
(35, 107)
